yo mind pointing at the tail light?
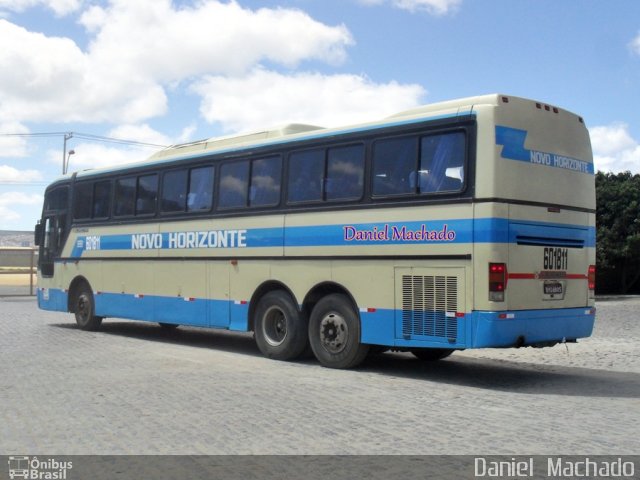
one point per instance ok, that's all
(591, 279)
(497, 281)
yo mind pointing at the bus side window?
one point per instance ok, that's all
(125, 196)
(442, 163)
(265, 181)
(147, 194)
(234, 183)
(394, 166)
(345, 173)
(306, 174)
(174, 191)
(101, 199)
(200, 195)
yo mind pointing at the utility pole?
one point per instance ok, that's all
(65, 158)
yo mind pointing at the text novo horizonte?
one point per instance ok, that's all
(180, 240)
(392, 233)
(559, 161)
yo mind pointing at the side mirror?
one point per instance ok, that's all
(38, 234)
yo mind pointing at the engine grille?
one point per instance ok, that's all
(429, 304)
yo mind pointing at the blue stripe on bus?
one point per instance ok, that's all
(513, 140)
(200, 312)
(436, 232)
(477, 329)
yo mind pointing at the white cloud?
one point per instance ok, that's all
(138, 48)
(10, 200)
(96, 155)
(614, 149)
(13, 175)
(265, 98)
(59, 7)
(140, 133)
(433, 7)
(11, 146)
(634, 45)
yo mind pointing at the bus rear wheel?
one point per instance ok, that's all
(432, 354)
(280, 328)
(334, 333)
(85, 309)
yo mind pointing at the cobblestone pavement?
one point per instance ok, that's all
(134, 388)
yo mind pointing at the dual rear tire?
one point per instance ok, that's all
(280, 328)
(334, 333)
(283, 332)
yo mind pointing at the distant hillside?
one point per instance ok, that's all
(12, 238)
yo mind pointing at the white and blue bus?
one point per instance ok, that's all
(463, 224)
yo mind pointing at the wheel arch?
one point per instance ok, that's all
(73, 290)
(322, 290)
(261, 291)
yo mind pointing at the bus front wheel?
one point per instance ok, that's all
(85, 308)
(334, 333)
(280, 328)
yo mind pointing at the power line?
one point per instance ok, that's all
(11, 183)
(84, 136)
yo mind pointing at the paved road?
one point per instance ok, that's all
(134, 388)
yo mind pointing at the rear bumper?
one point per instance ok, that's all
(529, 327)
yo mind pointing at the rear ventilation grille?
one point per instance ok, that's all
(549, 242)
(429, 306)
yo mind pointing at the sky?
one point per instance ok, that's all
(162, 72)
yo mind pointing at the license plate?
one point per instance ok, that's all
(553, 290)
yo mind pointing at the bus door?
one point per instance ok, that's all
(50, 232)
(49, 236)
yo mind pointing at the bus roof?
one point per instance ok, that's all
(296, 131)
